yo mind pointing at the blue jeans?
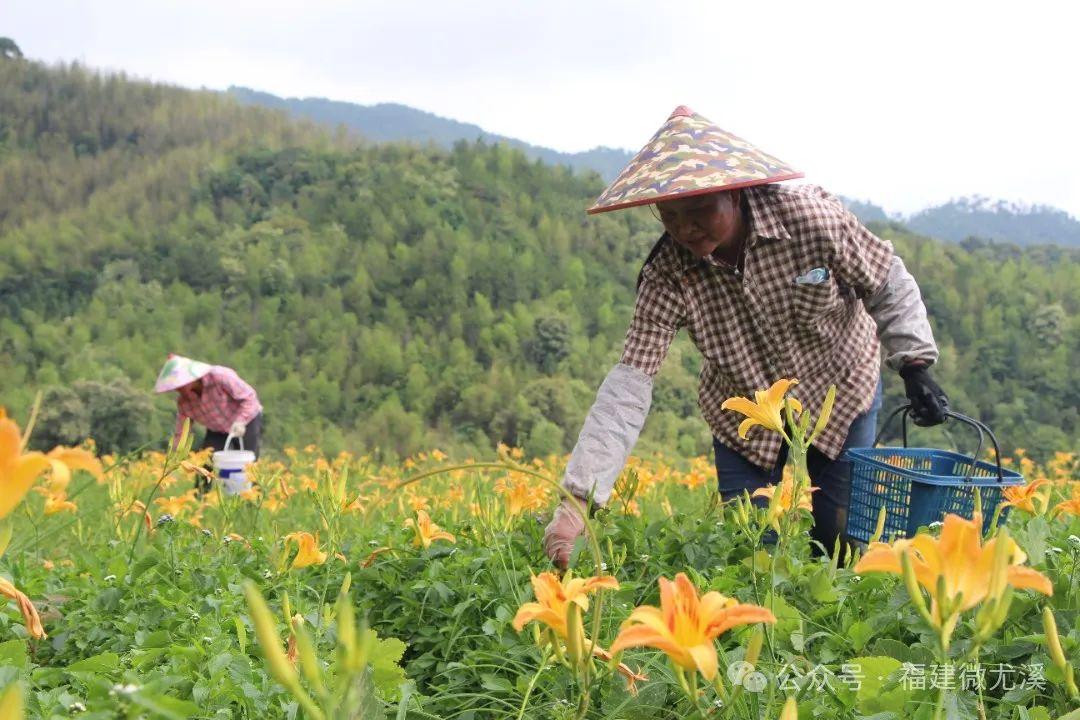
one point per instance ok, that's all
(735, 474)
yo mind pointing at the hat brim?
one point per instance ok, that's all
(597, 209)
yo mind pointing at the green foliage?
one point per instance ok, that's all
(114, 413)
(398, 297)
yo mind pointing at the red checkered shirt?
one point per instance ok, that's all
(225, 399)
(756, 326)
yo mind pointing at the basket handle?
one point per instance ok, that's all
(229, 438)
(979, 426)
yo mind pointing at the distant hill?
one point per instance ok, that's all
(981, 218)
(958, 220)
(389, 121)
(999, 221)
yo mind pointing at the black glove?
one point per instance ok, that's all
(928, 401)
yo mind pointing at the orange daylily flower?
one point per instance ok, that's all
(308, 552)
(959, 557)
(19, 470)
(766, 409)
(554, 595)
(1025, 497)
(29, 612)
(427, 532)
(686, 626)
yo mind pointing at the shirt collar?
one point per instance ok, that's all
(763, 219)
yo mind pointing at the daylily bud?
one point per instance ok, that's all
(346, 632)
(879, 528)
(1053, 640)
(826, 413)
(1003, 552)
(912, 585)
(556, 646)
(978, 504)
(309, 663)
(241, 633)
(1057, 655)
(790, 711)
(575, 635)
(346, 584)
(266, 633)
(1001, 610)
(286, 608)
(753, 648)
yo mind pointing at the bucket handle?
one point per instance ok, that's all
(978, 425)
(239, 439)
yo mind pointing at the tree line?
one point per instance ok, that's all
(391, 298)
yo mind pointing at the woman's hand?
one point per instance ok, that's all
(565, 527)
(238, 429)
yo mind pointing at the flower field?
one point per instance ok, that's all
(339, 588)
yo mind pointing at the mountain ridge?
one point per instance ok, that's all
(957, 220)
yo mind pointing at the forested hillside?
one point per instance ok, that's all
(392, 297)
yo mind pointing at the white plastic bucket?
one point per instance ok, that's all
(229, 467)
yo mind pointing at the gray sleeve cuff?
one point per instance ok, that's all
(610, 431)
(900, 314)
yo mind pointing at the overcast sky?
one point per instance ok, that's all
(904, 103)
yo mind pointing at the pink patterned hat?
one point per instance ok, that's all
(178, 372)
(690, 156)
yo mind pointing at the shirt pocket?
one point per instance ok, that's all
(813, 302)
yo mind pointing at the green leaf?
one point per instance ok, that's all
(103, 663)
(822, 588)
(13, 653)
(495, 683)
(860, 633)
(386, 673)
(872, 695)
(165, 706)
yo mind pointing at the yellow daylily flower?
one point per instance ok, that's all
(780, 506)
(176, 504)
(1029, 498)
(19, 470)
(686, 626)
(1071, 506)
(307, 550)
(58, 502)
(960, 563)
(554, 595)
(766, 409)
(29, 612)
(427, 532)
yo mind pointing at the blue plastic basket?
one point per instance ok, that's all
(918, 486)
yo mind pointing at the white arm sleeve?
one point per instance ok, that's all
(900, 314)
(610, 431)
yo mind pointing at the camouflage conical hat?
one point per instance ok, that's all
(179, 371)
(690, 156)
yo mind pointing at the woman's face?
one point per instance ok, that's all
(193, 388)
(703, 223)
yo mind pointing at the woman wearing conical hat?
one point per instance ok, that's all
(771, 281)
(213, 396)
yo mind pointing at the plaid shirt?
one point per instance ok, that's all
(758, 325)
(225, 399)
